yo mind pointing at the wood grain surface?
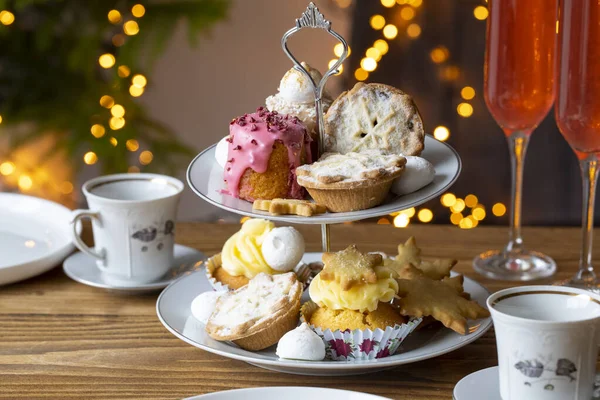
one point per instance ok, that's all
(63, 340)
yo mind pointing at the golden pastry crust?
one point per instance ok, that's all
(374, 116)
(350, 267)
(385, 315)
(303, 208)
(234, 282)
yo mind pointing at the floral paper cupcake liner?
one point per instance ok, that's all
(211, 265)
(359, 344)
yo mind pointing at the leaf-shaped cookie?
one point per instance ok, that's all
(350, 267)
(410, 253)
(421, 296)
(530, 368)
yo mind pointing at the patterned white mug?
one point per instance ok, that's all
(548, 338)
(133, 219)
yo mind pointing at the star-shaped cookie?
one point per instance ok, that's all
(350, 267)
(409, 253)
(420, 296)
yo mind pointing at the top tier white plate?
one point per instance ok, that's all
(205, 177)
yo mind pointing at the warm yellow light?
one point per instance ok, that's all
(448, 200)
(7, 168)
(382, 46)
(106, 60)
(368, 64)
(132, 145)
(557, 26)
(441, 133)
(114, 16)
(373, 53)
(407, 13)
(118, 40)
(332, 63)
(480, 12)
(90, 158)
(136, 91)
(66, 187)
(113, 141)
(464, 110)
(458, 206)
(377, 22)
(478, 214)
(425, 215)
(465, 223)
(409, 212)
(25, 182)
(390, 31)
(439, 54)
(344, 3)
(383, 221)
(473, 220)
(98, 130)
(499, 209)
(133, 169)
(117, 111)
(467, 93)
(471, 200)
(7, 18)
(0, 119)
(139, 80)
(107, 101)
(123, 71)
(416, 3)
(455, 218)
(361, 75)
(401, 2)
(401, 221)
(413, 31)
(138, 10)
(388, 3)
(450, 73)
(131, 28)
(146, 157)
(338, 49)
(116, 123)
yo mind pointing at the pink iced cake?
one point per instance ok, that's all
(264, 150)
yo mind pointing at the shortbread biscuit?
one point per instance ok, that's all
(350, 267)
(374, 116)
(303, 208)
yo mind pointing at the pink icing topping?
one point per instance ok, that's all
(251, 140)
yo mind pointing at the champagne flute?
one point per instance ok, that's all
(578, 112)
(518, 91)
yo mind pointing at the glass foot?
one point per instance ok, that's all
(514, 266)
(591, 285)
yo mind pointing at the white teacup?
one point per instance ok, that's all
(133, 221)
(547, 339)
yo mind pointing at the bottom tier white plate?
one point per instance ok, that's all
(173, 309)
(287, 393)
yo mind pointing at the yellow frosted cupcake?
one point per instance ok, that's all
(258, 247)
(350, 307)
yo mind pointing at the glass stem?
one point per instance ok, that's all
(589, 177)
(517, 143)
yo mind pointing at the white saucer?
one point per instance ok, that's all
(484, 384)
(82, 268)
(35, 236)
(287, 393)
(173, 310)
(205, 178)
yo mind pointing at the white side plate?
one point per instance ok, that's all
(34, 236)
(173, 309)
(205, 177)
(287, 393)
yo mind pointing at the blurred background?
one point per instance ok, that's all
(96, 87)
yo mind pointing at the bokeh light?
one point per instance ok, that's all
(117, 111)
(455, 218)
(65, 187)
(132, 145)
(407, 13)
(146, 157)
(106, 101)
(480, 12)
(471, 200)
(7, 18)
(498, 209)
(448, 200)
(90, 158)
(373, 53)
(382, 46)
(478, 213)
(458, 206)
(388, 3)
(25, 182)
(7, 168)
(377, 22)
(114, 16)
(113, 141)
(135, 91)
(425, 215)
(131, 28)
(441, 133)
(467, 93)
(464, 110)
(139, 80)
(138, 10)
(439, 54)
(118, 40)
(413, 31)
(116, 123)
(106, 60)
(390, 31)
(98, 130)
(123, 71)
(368, 64)
(401, 221)
(361, 75)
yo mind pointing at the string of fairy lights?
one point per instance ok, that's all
(467, 212)
(23, 175)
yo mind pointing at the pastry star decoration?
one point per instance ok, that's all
(350, 267)
(409, 253)
(420, 296)
(379, 134)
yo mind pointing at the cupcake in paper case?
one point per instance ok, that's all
(351, 307)
(358, 344)
(258, 247)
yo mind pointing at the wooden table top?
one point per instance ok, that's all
(62, 339)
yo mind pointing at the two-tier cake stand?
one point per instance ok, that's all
(205, 176)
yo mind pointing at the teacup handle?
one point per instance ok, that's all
(76, 216)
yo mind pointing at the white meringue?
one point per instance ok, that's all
(283, 248)
(204, 305)
(295, 87)
(418, 173)
(301, 344)
(221, 151)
